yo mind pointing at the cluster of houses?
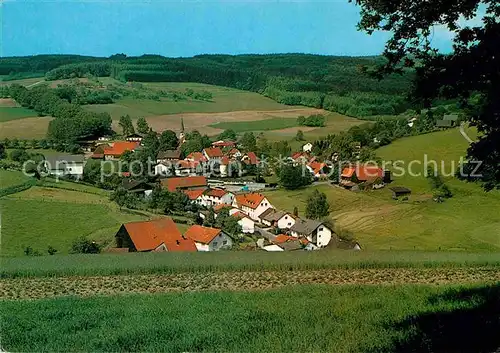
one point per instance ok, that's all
(255, 214)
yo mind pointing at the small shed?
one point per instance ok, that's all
(398, 191)
(444, 124)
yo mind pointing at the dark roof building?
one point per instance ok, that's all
(169, 155)
(306, 226)
(445, 123)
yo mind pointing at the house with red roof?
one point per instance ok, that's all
(363, 173)
(234, 153)
(116, 149)
(213, 154)
(252, 204)
(196, 157)
(223, 144)
(317, 169)
(213, 197)
(156, 235)
(246, 223)
(250, 159)
(196, 195)
(184, 183)
(208, 239)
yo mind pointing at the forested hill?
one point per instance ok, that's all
(329, 82)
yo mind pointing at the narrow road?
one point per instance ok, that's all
(34, 84)
(464, 134)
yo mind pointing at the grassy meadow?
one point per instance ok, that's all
(14, 113)
(467, 222)
(258, 125)
(224, 100)
(301, 318)
(11, 178)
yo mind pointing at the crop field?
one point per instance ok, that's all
(26, 128)
(259, 125)
(223, 100)
(23, 82)
(467, 222)
(299, 318)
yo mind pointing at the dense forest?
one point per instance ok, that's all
(333, 83)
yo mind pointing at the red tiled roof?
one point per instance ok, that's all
(119, 147)
(196, 156)
(173, 184)
(223, 144)
(194, 194)
(216, 192)
(240, 215)
(221, 206)
(317, 167)
(126, 174)
(213, 152)
(148, 235)
(202, 234)
(283, 238)
(184, 164)
(251, 200)
(252, 157)
(224, 161)
(233, 151)
(363, 173)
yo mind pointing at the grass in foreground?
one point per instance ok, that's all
(161, 263)
(306, 318)
(11, 178)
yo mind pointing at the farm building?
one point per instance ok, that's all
(371, 176)
(208, 239)
(135, 137)
(138, 187)
(195, 195)
(307, 147)
(155, 235)
(64, 165)
(250, 159)
(252, 204)
(398, 191)
(274, 218)
(168, 156)
(116, 150)
(196, 157)
(445, 124)
(223, 144)
(184, 183)
(317, 169)
(314, 231)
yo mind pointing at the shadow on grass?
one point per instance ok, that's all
(465, 320)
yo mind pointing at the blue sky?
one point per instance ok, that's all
(184, 28)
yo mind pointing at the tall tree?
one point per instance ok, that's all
(227, 135)
(317, 206)
(142, 126)
(470, 73)
(248, 141)
(294, 177)
(168, 140)
(126, 125)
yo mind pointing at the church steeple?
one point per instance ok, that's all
(182, 135)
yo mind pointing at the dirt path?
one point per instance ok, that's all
(34, 288)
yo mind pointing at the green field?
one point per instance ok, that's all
(15, 113)
(257, 125)
(467, 222)
(306, 318)
(43, 216)
(11, 178)
(224, 100)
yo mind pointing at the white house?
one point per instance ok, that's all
(314, 231)
(307, 147)
(214, 197)
(213, 154)
(208, 239)
(65, 165)
(247, 224)
(252, 204)
(274, 218)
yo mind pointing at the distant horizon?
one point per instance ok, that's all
(188, 28)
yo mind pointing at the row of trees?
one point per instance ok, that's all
(71, 122)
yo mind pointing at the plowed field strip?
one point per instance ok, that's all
(34, 288)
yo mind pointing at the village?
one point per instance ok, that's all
(214, 181)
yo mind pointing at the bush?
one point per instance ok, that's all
(83, 245)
